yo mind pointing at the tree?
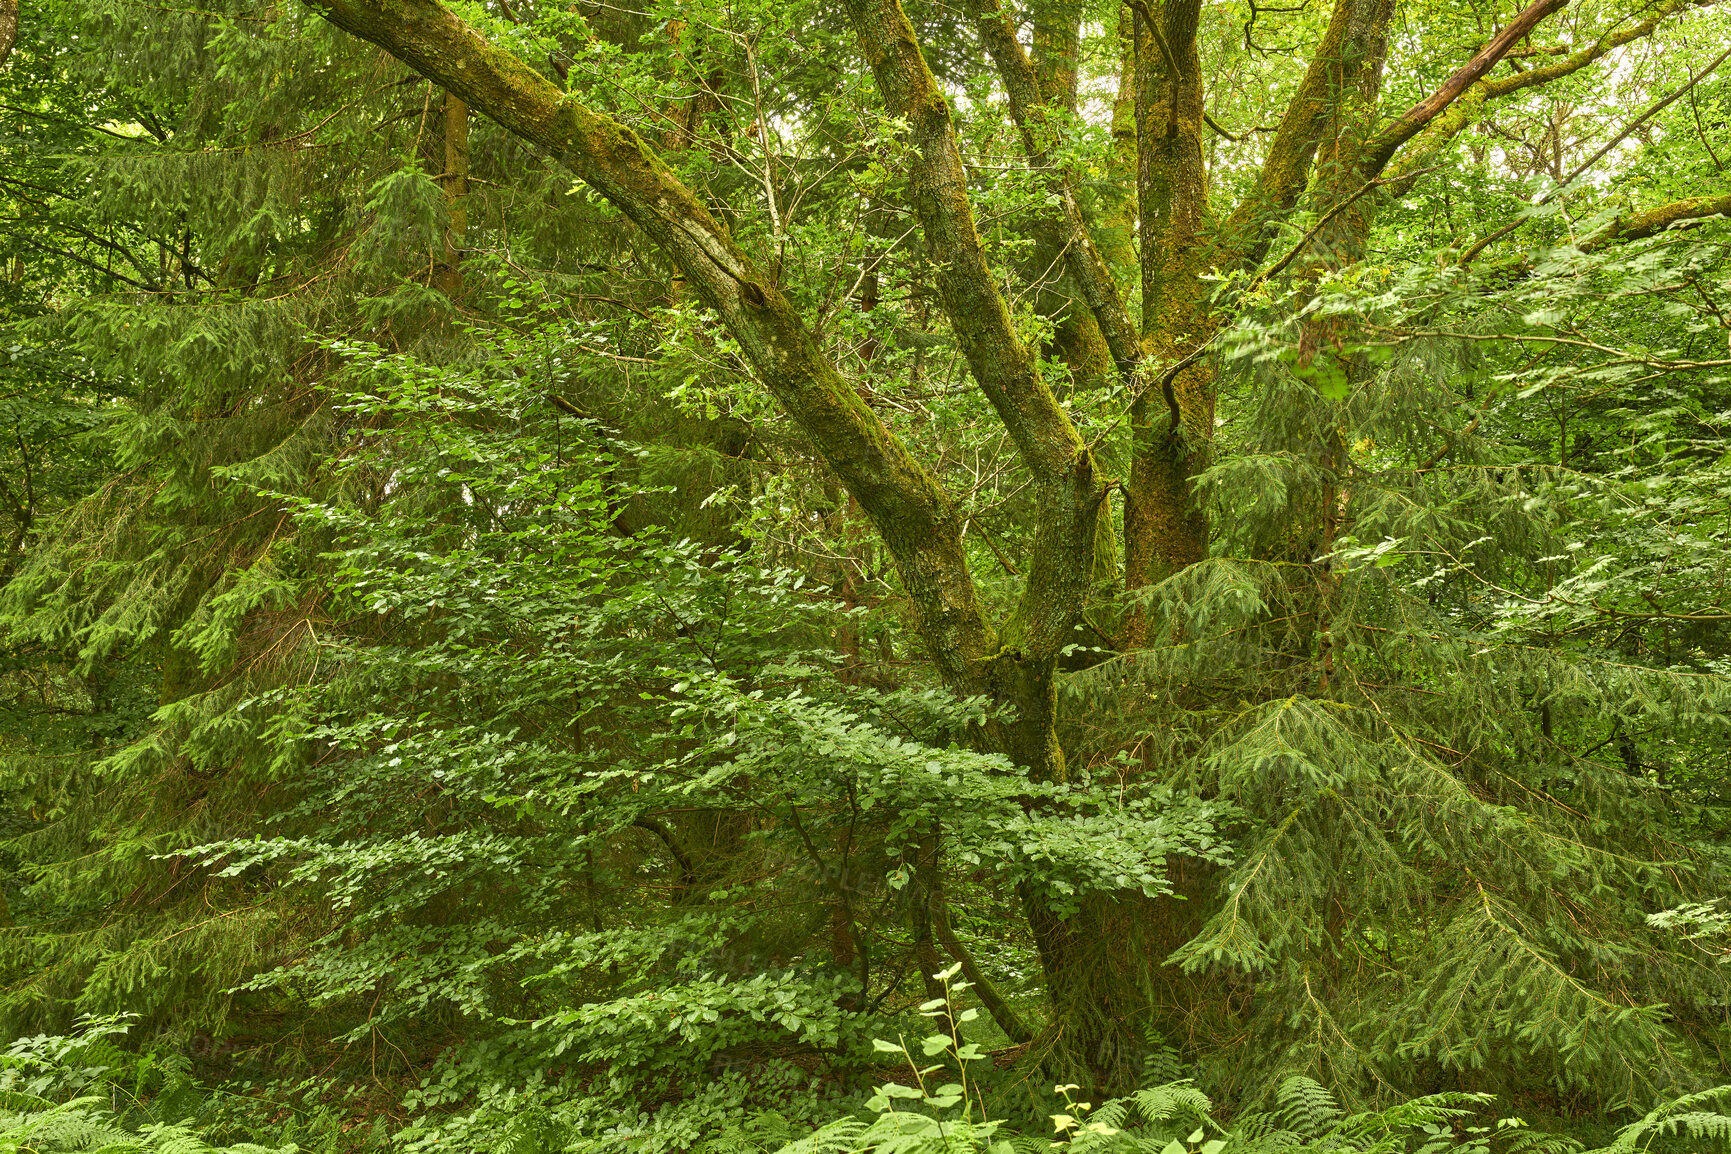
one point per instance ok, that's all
(1333, 145)
(477, 615)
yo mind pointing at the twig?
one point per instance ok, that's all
(1467, 257)
(1304, 241)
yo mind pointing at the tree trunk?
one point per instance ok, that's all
(1098, 962)
(456, 183)
(8, 28)
(1172, 429)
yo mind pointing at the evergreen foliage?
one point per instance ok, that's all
(465, 691)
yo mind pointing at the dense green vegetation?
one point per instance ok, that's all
(721, 576)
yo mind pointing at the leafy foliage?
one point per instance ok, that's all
(450, 704)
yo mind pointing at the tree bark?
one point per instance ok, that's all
(456, 185)
(1171, 430)
(8, 28)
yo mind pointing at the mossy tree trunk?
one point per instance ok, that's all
(1164, 531)
(455, 180)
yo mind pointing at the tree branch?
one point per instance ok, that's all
(1039, 138)
(1002, 1012)
(1650, 111)
(687, 873)
(917, 521)
(967, 287)
(1286, 170)
(1379, 149)
(1575, 61)
(1636, 225)
(1069, 487)
(1303, 244)
(1467, 109)
(1220, 130)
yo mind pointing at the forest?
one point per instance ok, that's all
(899, 576)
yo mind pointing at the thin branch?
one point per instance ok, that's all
(1381, 147)
(1241, 137)
(1304, 241)
(687, 874)
(1002, 1012)
(1562, 185)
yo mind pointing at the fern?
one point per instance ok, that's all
(71, 1125)
(1174, 1100)
(1539, 1142)
(837, 1137)
(1305, 1107)
(1680, 1116)
(87, 1124)
(535, 1132)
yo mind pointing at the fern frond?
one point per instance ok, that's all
(1538, 1142)
(1174, 1100)
(836, 1137)
(533, 1133)
(1677, 1115)
(1112, 1113)
(1305, 1107)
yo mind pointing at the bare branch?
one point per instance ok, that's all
(1646, 114)
(1469, 106)
(1379, 149)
